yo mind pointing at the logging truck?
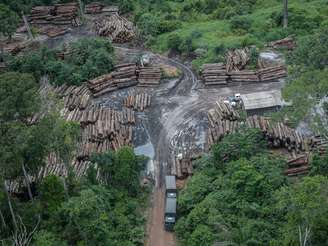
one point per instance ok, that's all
(170, 213)
(170, 202)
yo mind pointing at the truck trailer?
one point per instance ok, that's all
(170, 187)
(170, 214)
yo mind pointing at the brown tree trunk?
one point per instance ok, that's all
(27, 181)
(10, 206)
(27, 26)
(285, 13)
(3, 220)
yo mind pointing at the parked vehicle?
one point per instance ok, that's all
(170, 214)
(170, 187)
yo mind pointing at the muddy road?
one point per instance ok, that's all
(178, 117)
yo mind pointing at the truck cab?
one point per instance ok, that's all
(170, 213)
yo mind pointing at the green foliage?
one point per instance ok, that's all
(9, 21)
(52, 194)
(307, 82)
(120, 169)
(235, 207)
(241, 23)
(149, 24)
(89, 58)
(126, 6)
(312, 51)
(98, 216)
(18, 96)
(45, 238)
(245, 143)
(319, 164)
(306, 208)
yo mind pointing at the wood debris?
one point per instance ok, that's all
(181, 167)
(116, 27)
(298, 166)
(149, 76)
(124, 75)
(138, 102)
(94, 8)
(287, 43)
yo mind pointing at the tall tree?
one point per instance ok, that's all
(9, 21)
(285, 13)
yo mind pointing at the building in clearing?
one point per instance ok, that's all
(262, 102)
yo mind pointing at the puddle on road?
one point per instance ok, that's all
(149, 151)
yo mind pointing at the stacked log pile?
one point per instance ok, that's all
(181, 167)
(222, 111)
(221, 128)
(59, 14)
(278, 134)
(75, 97)
(272, 73)
(319, 144)
(287, 43)
(138, 102)
(94, 8)
(214, 74)
(116, 27)
(237, 59)
(224, 119)
(54, 20)
(124, 75)
(244, 76)
(105, 129)
(149, 76)
(298, 166)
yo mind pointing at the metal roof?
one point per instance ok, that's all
(170, 183)
(265, 99)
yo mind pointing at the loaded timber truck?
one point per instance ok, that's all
(170, 203)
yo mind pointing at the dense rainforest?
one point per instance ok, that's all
(238, 194)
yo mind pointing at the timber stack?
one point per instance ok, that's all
(278, 134)
(181, 167)
(298, 166)
(138, 102)
(93, 8)
(54, 20)
(214, 74)
(220, 129)
(59, 14)
(75, 97)
(272, 73)
(287, 43)
(116, 27)
(244, 76)
(222, 111)
(149, 76)
(237, 59)
(124, 75)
